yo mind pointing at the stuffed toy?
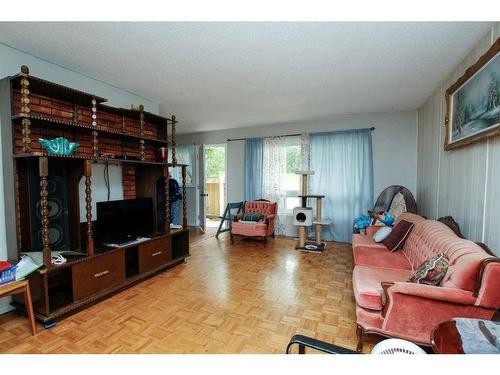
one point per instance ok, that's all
(384, 217)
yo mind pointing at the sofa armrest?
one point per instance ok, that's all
(412, 311)
(437, 293)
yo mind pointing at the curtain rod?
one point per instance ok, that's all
(284, 135)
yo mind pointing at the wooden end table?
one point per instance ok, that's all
(18, 287)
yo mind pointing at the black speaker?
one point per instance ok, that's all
(57, 207)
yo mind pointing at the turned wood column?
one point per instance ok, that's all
(174, 141)
(43, 167)
(167, 199)
(25, 109)
(184, 197)
(88, 206)
(142, 148)
(95, 141)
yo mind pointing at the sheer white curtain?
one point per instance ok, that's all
(282, 157)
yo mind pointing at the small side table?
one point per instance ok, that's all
(18, 287)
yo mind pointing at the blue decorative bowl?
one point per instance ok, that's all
(58, 146)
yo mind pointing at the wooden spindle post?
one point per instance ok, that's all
(43, 167)
(25, 109)
(167, 199)
(184, 197)
(142, 148)
(95, 141)
(174, 141)
(88, 206)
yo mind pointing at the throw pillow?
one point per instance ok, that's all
(396, 239)
(253, 216)
(398, 205)
(432, 271)
(381, 234)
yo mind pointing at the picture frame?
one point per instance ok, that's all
(473, 102)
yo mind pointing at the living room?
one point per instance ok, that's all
(250, 187)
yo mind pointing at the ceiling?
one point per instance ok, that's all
(226, 75)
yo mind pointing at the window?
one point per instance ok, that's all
(282, 158)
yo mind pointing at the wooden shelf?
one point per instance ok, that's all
(97, 160)
(132, 113)
(58, 124)
(55, 90)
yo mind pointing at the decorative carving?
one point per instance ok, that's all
(142, 148)
(25, 110)
(94, 112)
(95, 141)
(174, 141)
(452, 224)
(44, 203)
(167, 198)
(88, 207)
(184, 200)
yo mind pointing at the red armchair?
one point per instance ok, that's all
(262, 229)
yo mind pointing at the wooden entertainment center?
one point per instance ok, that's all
(34, 181)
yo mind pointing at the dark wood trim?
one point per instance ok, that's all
(184, 197)
(44, 194)
(385, 296)
(88, 206)
(482, 269)
(483, 60)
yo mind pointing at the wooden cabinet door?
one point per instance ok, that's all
(98, 274)
(155, 253)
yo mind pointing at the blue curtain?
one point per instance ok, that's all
(343, 166)
(254, 152)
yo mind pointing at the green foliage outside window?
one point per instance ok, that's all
(214, 161)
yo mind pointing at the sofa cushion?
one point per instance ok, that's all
(381, 234)
(380, 256)
(396, 239)
(432, 271)
(366, 282)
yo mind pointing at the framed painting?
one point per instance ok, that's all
(473, 102)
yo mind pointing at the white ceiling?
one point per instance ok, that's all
(226, 75)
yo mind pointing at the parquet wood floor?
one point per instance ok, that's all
(241, 298)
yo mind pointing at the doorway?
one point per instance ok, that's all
(214, 184)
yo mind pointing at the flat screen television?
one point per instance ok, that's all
(124, 219)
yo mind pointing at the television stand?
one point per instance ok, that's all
(124, 241)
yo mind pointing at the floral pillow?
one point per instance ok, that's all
(432, 271)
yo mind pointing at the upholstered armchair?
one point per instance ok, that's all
(262, 229)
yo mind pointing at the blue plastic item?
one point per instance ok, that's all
(49, 325)
(361, 222)
(8, 275)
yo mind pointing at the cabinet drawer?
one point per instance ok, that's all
(98, 274)
(154, 254)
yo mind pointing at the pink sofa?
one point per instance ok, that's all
(263, 229)
(388, 305)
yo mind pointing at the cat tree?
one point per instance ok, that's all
(303, 218)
